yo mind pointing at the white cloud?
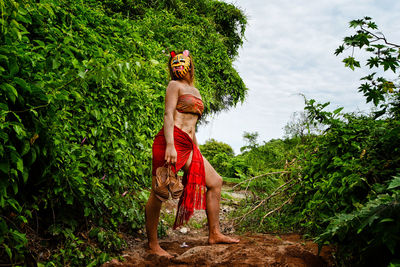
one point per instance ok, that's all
(289, 50)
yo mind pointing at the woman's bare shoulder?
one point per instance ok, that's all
(174, 84)
(174, 87)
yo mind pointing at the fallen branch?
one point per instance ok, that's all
(255, 177)
(276, 192)
(278, 208)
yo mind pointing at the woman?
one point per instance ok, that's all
(176, 145)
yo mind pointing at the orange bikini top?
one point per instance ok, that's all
(189, 103)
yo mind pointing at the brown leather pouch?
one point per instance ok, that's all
(175, 185)
(162, 181)
(167, 182)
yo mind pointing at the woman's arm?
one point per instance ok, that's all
(171, 98)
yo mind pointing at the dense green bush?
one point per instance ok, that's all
(222, 158)
(255, 159)
(81, 99)
(271, 155)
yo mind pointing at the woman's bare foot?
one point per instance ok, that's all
(157, 250)
(222, 239)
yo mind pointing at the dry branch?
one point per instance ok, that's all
(278, 208)
(255, 177)
(276, 192)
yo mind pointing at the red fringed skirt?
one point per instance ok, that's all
(194, 193)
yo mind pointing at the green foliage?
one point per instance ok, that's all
(346, 184)
(256, 159)
(220, 156)
(81, 98)
(212, 147)
(347, 194)
(342, 193)
(375, 223)
(250, 140)
(301, 126)
(270, 156)
(384, 55)
(341, 166)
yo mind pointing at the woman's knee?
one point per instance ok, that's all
(215, 183)
(213, 179)
(219, 181)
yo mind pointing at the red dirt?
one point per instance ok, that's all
(253, 250)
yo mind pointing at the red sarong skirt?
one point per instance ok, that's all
(194, 180)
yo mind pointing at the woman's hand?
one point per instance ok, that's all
(170, 154)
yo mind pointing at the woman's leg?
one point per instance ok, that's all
(214, 184)
(153, 208)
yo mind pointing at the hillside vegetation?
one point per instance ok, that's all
(81, 98)
(341, 187)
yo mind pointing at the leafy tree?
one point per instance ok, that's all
(300, 125)
(213, 147)
(250, 140)
(381, 92)
(218, 154)
(81, 96)
(237, 167)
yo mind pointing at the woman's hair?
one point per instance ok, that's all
(191, 68)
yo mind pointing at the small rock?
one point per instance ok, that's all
(184, 230)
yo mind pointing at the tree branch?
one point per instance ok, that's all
(278, 208)
(379, 38)
(255, 177)
(276, 192)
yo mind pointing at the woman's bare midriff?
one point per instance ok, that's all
(186, 122)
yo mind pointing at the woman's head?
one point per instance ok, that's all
(180, 64)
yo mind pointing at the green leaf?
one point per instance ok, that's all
(3, 106)
(26, 146)
(34, 112)
(8, 251)
(10, 90)
(351, 62)
(395, 182)
(372, 25)
(19, 131)
(336, 111)
(339, 50)
(13, 203)
(387, 220)
(15, 188)
(24, 85)
(373, 62)
(13, 66)
(25, 175)
(356, 23)
(82, 74)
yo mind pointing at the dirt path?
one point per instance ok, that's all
(189, 244)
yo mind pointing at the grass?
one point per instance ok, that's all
(231, 180)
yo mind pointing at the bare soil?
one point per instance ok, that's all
(190, 247)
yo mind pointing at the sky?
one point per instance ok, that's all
(289, 52)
